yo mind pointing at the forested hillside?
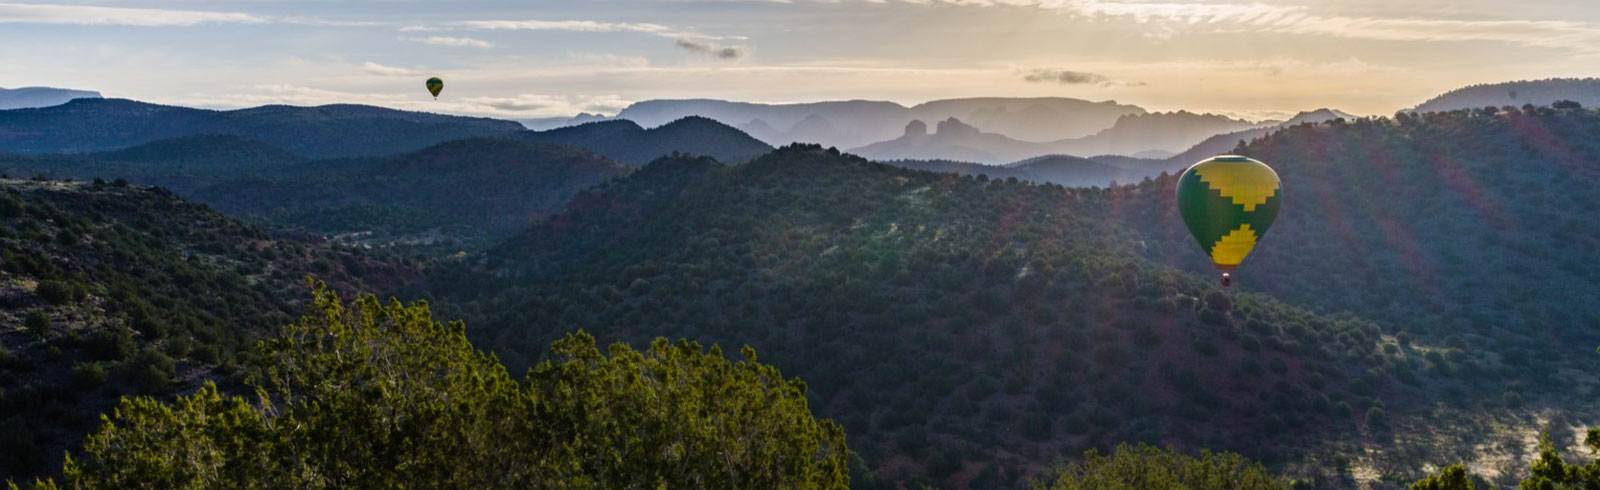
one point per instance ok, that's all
(455, 195)
(1469, 227)
(1422, 300)
(109, 290)
(965, 331)
(1518, 93)
(452, 196)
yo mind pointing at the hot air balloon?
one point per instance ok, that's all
(435, 85)
(1228, 202)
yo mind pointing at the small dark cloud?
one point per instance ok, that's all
(713, 49)
(1068, 77)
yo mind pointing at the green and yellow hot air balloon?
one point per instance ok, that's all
(1228, 202)
(435, 85)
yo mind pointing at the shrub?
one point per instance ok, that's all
(55, 292)
(110, 344)
(1145, 467)
(151, 371)
(88, 375)
(1377, 419)
(37, 322)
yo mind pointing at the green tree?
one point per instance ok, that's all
(375, 395)
(1146, 467)
(1452, 477)
(1550, 472)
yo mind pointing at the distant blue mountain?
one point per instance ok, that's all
(27, 97)
(330, 131)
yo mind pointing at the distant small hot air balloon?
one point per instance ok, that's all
(435, 85)
(1228, 202)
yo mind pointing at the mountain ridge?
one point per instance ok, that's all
(627, 141)
(860, 122)
(339, 130)
(1519, 93)
(954, 139)
(31, 97)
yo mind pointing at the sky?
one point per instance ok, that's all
(526, 59)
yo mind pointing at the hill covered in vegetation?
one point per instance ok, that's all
(109, 290)
(1421, 301)
(1519, 93)
(965, 331)
(1464, 226)
(413, 200)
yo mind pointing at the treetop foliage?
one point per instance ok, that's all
(1146, 467)
(379, 395)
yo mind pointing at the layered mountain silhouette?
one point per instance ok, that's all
(848, 124)
(27, 97)
(1225, 143)
(91, 125)
(1585, 91)
(1067, 170)
(954, 139)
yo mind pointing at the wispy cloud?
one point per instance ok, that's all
(1165, 18)
(692, 41)
(537, 105)
(713, 49)
(26, 13)
(465, 42)
(585, 26)
(386, 71)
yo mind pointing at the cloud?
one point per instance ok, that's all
(575, 26)
(541, 105)
(387, 71)
(1164, 19)
(713, 49)
(1064, 77)
(1069, 77)
(24, 13)
(692, 41)
(465, 42)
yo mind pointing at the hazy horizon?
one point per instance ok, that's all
(1254, 59)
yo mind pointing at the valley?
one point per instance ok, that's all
(1422, 303)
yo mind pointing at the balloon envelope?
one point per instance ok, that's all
(1228, 202)
(435, 85)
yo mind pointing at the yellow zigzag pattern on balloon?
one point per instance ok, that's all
(1231, 249)
(1247, 184)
